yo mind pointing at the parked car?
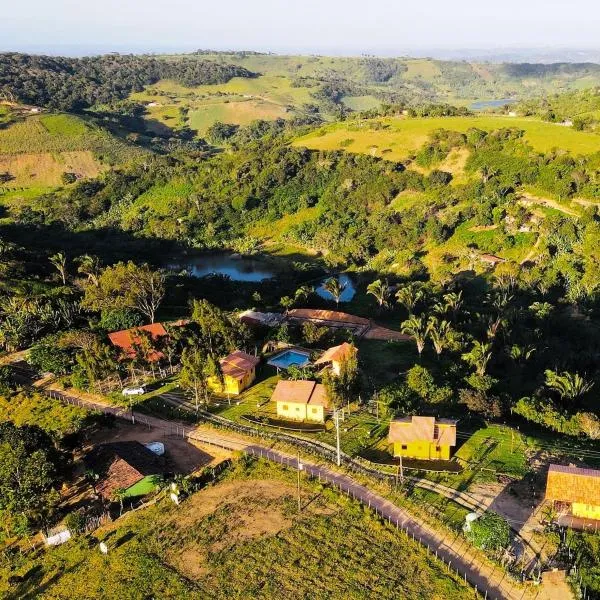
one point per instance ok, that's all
(133, 391)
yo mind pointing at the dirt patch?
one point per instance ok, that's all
(242, 511)
(182, 456)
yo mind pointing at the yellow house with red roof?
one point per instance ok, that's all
(239, 372)
(423, 437)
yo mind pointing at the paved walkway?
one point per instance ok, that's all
(452, 549)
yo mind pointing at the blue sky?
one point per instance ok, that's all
(388, 27)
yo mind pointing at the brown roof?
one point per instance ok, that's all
(423, 429)
(337, 353)
(573, 484)
(126, 339)
(300, 392)
(326, 315)
(121, 465)
(492, 259)
(238, 364)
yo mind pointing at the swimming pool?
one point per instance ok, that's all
(290, 358)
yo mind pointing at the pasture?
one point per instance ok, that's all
(398, 138)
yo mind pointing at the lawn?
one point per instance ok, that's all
(240, 538)
(399, 138)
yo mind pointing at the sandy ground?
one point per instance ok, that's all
(183, 456)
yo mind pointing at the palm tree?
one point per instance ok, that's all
(438, 332)
(408, 296)
(380, 290)
(417, 329)
(89, 265)
(59, 262)
(568, 385)
(335, 287)
(479, 356)
(453, 302)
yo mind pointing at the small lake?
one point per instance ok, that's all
(484, 104)
(347, 294)
(235, 267)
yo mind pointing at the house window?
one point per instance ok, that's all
(297, 409)
(314, 411)
(285, 407)
(404, 447)
(438, 448)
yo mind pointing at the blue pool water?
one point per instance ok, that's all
(288, 358)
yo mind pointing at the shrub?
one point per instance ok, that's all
(490, 532)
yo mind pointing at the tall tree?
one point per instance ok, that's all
(417, 329)
(89, 266)
(439, 333)
(126, 285)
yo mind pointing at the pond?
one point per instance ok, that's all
(347, 294)
(485, 104)
(236, 267)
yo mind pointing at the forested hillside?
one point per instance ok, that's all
(77, 83)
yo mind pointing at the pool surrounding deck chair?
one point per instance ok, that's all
(288, 358)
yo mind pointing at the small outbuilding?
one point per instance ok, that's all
(128, 466)
(425, 438)
(301, 400)
(576, 489)
(239, 372)
(336, 356)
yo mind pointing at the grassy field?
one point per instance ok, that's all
(37, 150)
(240, 538)
(239, 101)
(398, 138)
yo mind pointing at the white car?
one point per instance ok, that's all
(133, 391)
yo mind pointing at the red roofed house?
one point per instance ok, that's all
(239, 371)
(423, 437)
(130, 341)
(575, 486)
(127, 466)
(336, 356)
(301, 400)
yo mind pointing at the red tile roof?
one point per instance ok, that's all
(121, 465)
(337, 353)
(423, 429)
(300, 392)
(573, 484)
(326, 315)
(126, 339)
(238, 364)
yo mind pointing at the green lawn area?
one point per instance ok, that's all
(361, 102)
(398, 138)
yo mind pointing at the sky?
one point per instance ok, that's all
(385, 27)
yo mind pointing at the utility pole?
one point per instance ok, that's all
(336, 418)
(300, 467)
(400, 471)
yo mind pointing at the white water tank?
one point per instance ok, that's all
(157, 447)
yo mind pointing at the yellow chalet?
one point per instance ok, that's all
(239, 371)
(423, 437)
(575, 487)
(336, 356)
(301, 401)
